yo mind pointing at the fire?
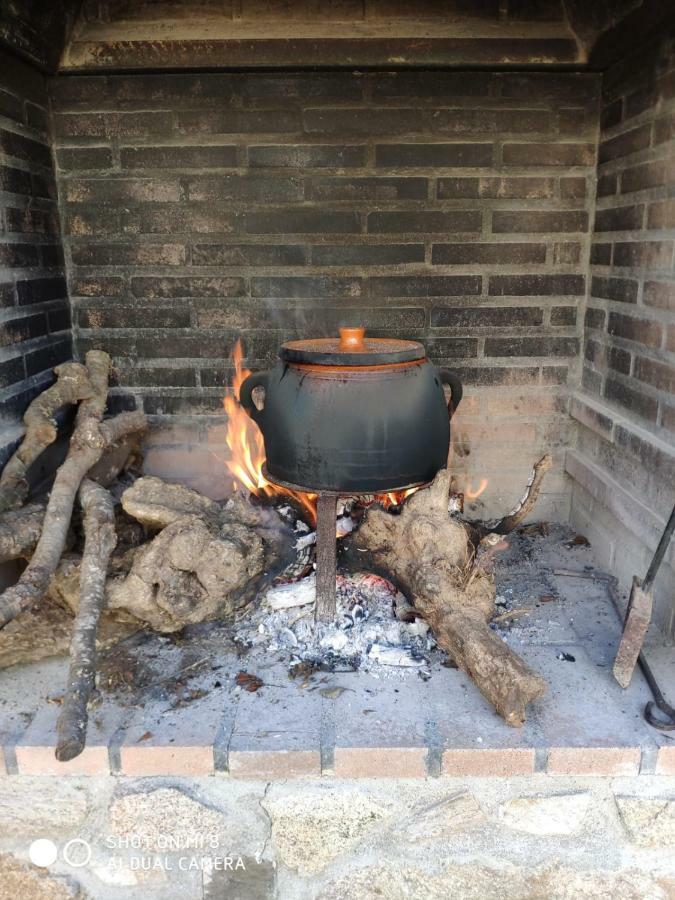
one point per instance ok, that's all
(395, 498)
(247, 452)
(247, 448)
(472, 494)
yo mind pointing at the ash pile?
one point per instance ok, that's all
(372, 631)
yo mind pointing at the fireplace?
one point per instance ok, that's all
(187, 186)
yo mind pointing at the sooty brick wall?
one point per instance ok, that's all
(625, 461)
(34, 309)
(449, 207)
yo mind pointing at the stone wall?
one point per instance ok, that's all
(34, 308)
(449, 207)
(624, 465)
(375, 839)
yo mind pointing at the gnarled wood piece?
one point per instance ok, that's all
(72, 385)
(90, 438)
(20, 531)
(207, 562)
(431, 556)
(525, 505)
(156, 503)
(99, 543)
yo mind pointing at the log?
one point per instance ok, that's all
(156, 503)
(207, 562)
(99, 543)
(432, 558)
(90, 438)
(47, 631)
(524, 507)
(20, 531)
(72, 385)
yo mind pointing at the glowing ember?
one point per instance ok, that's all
(247, 452)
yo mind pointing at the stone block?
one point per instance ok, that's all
(312, 828)
(558, 814)
(17, 879)
(649, 822)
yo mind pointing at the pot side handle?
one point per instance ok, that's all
(257, 379)
(452, 380)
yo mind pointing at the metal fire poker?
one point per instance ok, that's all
(326, 547)
(326, 557)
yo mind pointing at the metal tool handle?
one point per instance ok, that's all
(452, 380)
(257, 379)
(659, 553)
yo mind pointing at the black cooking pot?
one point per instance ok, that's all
(353, 415)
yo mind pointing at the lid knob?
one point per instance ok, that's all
(352, 339)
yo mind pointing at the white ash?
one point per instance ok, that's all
(368, 632)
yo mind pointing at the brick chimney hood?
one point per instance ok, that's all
(174, 34)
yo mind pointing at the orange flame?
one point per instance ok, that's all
(247, 449)
(247, 452)
(472, 494)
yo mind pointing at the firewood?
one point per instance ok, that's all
(89, 440)
(20, 531)
(526, 504)
(208, 561)
(72, 385)
(156, 503)
(100, 539)
(432, 558)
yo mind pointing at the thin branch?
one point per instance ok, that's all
(99, 542)
(526, 504)
(72, 385)
(90, 438)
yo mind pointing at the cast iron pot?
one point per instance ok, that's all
(353, 415)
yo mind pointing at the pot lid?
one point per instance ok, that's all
(351, 348)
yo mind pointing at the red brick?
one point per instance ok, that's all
(166, 759)
(274, 764)
(602, 761)
(665, 761)
(488, 763)
(380, 762)
(42, 761)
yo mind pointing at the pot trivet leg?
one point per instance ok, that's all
(326, 557)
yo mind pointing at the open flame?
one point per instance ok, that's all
(247, 452)
(472, 493)
(247, 449)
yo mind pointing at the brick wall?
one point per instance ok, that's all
(448, 207)
(625, 461)
(34, 309)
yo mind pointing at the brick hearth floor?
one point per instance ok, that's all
(170, 706)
